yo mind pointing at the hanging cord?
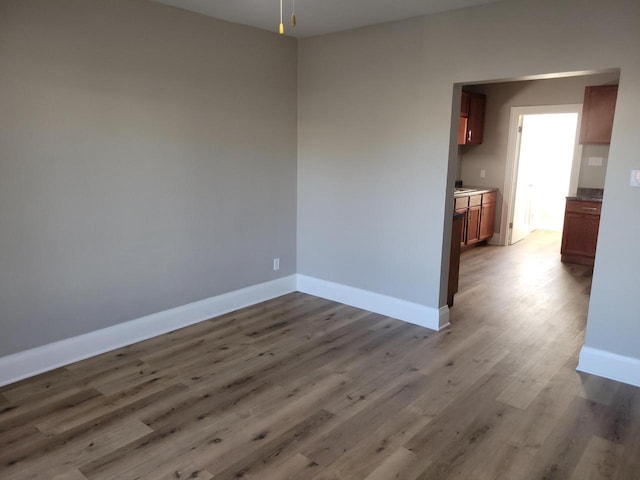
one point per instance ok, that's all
(293, 14)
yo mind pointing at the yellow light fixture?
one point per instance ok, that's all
(293, 17)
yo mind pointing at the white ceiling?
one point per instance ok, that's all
(316, 17)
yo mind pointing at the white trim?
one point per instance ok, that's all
(511, 169)
(41, 359)
(429, 317)
(53, 355)
(443, 318)
(494, 240)
(610, 365)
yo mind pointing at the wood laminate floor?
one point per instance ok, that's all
(304, 388)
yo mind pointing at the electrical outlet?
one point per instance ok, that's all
(276, 264)
(634, 181)
(483, 173)
(595, 161)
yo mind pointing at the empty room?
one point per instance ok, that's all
(312, 239)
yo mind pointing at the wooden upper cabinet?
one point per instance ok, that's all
(471, 122)
(475, 126)
(464, 104)
(597, 114)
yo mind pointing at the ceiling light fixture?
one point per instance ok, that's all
(293, 17)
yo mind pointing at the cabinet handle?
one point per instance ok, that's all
(592, 209)
(469, 136)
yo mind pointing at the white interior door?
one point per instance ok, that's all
(522, 207)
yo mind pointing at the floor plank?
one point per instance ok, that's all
(599, 460)
(70, 475)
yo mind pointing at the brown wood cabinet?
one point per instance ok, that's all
(580, 232)
(479, 212)
(464, 104)
(488, 215)
(473, 219)
(454, 258)
(597, 114)
(461, 205)
(471, 122)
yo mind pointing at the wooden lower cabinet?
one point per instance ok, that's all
(473, 225)
(479, 217)
(461, 207)
(454, 259)
(488, 215)
(580, 232)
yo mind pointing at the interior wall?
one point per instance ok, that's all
(593, 176)
(361, 166)
(491, 155)
(147, 160)
(372, 166)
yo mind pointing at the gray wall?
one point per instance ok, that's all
(147, 160)
(362, 205)
(491, 155)
(375, 137)
(593, 176)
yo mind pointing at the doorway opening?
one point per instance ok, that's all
(544, 160)
(507, 160)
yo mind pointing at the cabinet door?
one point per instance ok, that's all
(487, 220)
(473, 225)
(454, 259)
(597, 114)
(464, 104)
(580, 234)
(462, 130)
(475, 125)
(463, 227)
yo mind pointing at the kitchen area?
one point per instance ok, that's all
(489, 144)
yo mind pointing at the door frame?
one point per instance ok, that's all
(511, 168)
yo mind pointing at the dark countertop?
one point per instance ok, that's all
(582, 198)
(587, 195)
(468, 191)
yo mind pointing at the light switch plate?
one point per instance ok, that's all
(595, 161)
(635, 178)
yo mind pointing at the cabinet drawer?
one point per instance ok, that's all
(488, 198)
(475, 200)
(461, 202)
(584, 207)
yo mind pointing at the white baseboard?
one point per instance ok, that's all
(41, 359)
(610, 365)
(429, 317)
(443, 318)
(47, 357)
(494, 240)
